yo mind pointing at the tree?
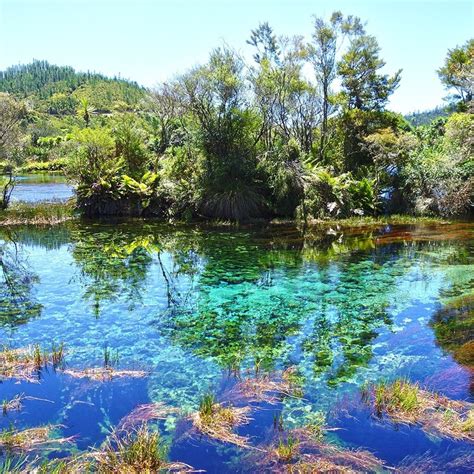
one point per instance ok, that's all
(266, 43)
(327, 38)
(458, 71)
(12, 113)
(165, 110)
(85, 111)
(363, 86)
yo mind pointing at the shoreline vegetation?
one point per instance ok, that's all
(300, 131)
(54, 213)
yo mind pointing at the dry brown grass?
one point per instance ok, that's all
(268, 388)
(218, 422)
(144, 413)
(102, 374)
(407, 403)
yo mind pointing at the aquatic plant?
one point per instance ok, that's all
(218, 421)
(451, 461)
(299, 451)
(206, 405)
(137, 451)
(11, 465)
(110, 359)
(57, 354)
(269, 387)
(287, 449)
(24, 363)
(102, 374)
(405, 402)
(30, 439)
(13, 404)
(145, 413)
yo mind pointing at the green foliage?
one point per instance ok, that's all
(458, 71)
(363, 87)
(437, 176)
(427, 116)
(232, 141)
(339, 195)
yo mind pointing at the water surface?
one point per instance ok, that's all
(197, 306)
(42, 187)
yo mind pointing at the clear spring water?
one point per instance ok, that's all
(194, 305)
(42, 187)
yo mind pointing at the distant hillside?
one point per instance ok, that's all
(427, 116)
(59, 89)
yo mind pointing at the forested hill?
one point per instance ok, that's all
(425, 117)
(59, 89)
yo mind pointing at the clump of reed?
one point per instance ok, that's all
(218, 421)
(269, 388)
(300, 451)
(136, 451)
(30, 439)
(287, 449)
(25, 363)
(111, 359)
(407, 403)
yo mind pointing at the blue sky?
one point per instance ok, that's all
(150, 41)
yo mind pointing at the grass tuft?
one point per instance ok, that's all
(29, 439)
(25, 363)
(404, 402)
(218, 421)
(137, 451)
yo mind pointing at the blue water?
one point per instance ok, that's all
(42, 187)
(194, 306)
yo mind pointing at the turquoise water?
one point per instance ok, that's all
(197, 306)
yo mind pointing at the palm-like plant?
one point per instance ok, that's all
(85, 111)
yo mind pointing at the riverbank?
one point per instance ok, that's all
(51, 213)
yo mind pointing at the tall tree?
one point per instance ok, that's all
(12, 113)
(327, 39)
(364, 87)
(458, 71)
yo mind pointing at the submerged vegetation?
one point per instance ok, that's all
(238, 346)
(301, 131)
(30, 439)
